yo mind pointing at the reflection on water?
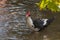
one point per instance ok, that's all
(8, 21)
(11, 21)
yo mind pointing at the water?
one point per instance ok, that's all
(9, 26)
(10, 21)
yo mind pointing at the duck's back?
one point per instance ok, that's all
(38, 23)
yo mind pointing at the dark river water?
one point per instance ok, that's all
(52, 32)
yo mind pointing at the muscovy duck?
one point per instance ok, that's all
(37, 24)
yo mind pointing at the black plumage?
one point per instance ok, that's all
(41, 24)
(38, 24)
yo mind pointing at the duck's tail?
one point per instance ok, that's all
(50, 20)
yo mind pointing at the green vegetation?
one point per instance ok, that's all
(53, 5)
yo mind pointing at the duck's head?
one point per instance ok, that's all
(28, 14)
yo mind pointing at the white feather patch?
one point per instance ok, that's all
(45, 21)
(36, 29)
(30, 22)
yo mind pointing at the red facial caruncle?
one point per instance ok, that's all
(28, 14)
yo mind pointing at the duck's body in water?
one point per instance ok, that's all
(38, 24)
(41, 24)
